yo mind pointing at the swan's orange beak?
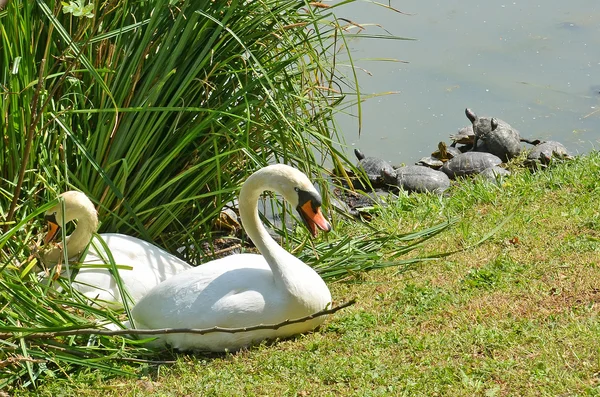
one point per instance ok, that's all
(313, 218)
(53, 229)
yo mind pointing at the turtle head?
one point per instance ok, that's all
(471, 115)
(388, 177)
(359, 155)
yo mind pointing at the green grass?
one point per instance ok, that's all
(158, 111)
(515, 315)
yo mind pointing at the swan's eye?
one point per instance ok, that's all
(297, 189)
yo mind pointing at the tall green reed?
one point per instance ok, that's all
(158, 110)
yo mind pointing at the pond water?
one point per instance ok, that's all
(534, 64)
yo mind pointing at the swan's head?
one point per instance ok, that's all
(298, 190)
(71, 205)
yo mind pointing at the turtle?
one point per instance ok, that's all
(470, 163)
(494, 136)
(494, 173)
(430, 162)
(465, 136)
(445, 152)
(420, 179)
(228, 221)
(439, 157)
(373, 167)
(544, 152)
(359, 204)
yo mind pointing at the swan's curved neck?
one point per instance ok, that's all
(273, 253)
(81, 237)
(87, 224)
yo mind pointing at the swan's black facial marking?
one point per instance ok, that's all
(309, 208)
(51, 218)
(53, 228)
(305, 196)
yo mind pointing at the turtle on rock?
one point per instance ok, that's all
(543, 153)
(494, 136)
(419, 179)
(373, 167)
(469, 163)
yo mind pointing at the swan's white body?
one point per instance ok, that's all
(143, 265)
(246, 289)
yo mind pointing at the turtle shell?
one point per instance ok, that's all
(421, 179)
(492, 174)
(453, 151)
(354, 203)
(470, 163)
(495, 136)
(544, 152)
(431, 162)
(373, 168)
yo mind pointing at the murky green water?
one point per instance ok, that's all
(534, 64)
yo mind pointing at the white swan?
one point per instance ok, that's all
(245, 289)
(149, 264)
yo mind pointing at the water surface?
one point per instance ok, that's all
(534, 64)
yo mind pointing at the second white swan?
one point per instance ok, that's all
(246, 289)
(145, 265)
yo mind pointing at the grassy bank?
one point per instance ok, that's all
(515, 315)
